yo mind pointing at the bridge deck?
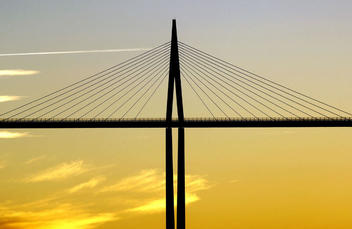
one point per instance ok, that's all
(188, 123)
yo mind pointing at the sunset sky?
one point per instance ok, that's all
(236, 178)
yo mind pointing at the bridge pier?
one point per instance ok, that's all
(181, 194)
(181, 198)
(170, 215)
(175, 84)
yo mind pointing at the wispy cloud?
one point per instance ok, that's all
(152, 181)
(2, 164)
(73, 52)
(58, 217)
(158, 205)
(11, 135)
(233, 181)
(35, 159)
(145, 181)
(17, 72)
(60, 171)
(89, 184)
(143, 193)
(194, 184)
(8, 98)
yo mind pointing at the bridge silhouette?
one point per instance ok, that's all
(230, 95)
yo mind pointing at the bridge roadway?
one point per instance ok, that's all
(188, 123)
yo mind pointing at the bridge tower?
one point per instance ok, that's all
(175, 82)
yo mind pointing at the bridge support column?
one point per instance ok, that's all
(175, 83)
(181, 199)
(170, 215)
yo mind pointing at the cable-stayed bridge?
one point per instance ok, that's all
(214, 93)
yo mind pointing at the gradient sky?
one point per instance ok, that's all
(236, 178)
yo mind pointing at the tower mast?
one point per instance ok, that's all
(175, 82)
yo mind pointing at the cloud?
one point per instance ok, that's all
(62, 216)
(8, 98)
(60, 171)
(152, 181)
(2, 164)
(194, 184)
(158, 205)
(17, 72)
(233, 181)
(89, 184)
(36, 159)
(73, 52)
(11, 135)
(145, 181)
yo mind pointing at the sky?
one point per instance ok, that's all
(236, 178)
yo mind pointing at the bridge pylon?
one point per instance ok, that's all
(175, 83)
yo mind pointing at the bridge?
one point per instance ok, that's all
(232, 97)
(189, 123)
